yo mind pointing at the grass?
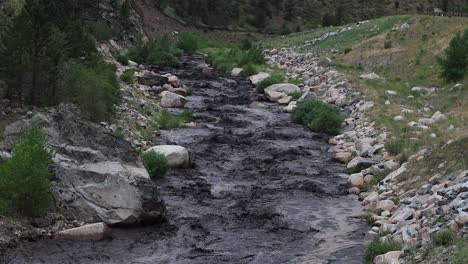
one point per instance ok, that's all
(167, 120)
(318, 116)
(378, 177)
(275, 79)
(122, 59)
(3, 125)
(460, 256)
(156, 164)
(128, 77)
(394, 147)
(377, 248)
(443, 237)
(295, 95)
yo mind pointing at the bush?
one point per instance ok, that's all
(101, 31)
(295, 95)
(92, 86)
(250, 69)
(24, 181)
(318, 116)
(388, 44)
(152, 52)
(378, 248)
(394, 147)
(155, 164)
(226, 58)
(128, 77)
(187, 42)
(168, 120)
(122, 59)
(275, 79)
(347, 50)
(455, 62)
(246, 44)
(443, 237)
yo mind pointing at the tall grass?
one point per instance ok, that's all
(318, 116)
(167, 120)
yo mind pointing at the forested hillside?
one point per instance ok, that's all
(292, 15)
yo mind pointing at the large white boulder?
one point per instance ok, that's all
(255, 79)
(237, 72)
(177, 156)
(286, 88)
(92, 232)
(172, 100)
(392, 257)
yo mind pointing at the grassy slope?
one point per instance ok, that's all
(409, 62)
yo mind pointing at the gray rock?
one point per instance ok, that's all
(172, 100)
(97, 177)
(236, 72)
(152, 79)
(177, 156)
(370, 76)
(283, 88)
(255, 79)
(361, 163)
(92, 232)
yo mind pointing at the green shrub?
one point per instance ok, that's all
(460, 256)
(388, 44)
(155, 164)
(101, 30)
(275, 79)
(24, 180)
(128, 77)
(168, 120)
(444, 237)
(394, 147)
(378, 248)
(250, 69)
(92, 86)
(348, 50)
(152, 52)
(122, 59)
(454, 64)
(246, 44)
(187, 42)
(318, 116)
(295, 95)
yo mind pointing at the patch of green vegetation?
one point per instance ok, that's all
(24, 181)
(394, 147)
(455, 62)
(295, 95)
(227, 58)
(161, 53)
(443, 237)
(318, 116)
(460, 256)
(378, 247)
(187, 42)
(388, 44)
(3, 125)
(156, 164)
(275, 79)
(128, 76)
(101, 30)
(370, 220)
(167, 120)
(378, 177)
(122, 59)
(119, 133)
(366, 31)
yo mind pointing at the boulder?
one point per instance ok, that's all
(172, 100)
(370, 76)
(92, 232)
(97, 178)
(286, 88)
(255, 79)
(307, 96)
(177, 156)
(392, 257)
(275, 96)
(385, 205)
(237, 72)
(356, 180)
(360, 163)
(152, 79)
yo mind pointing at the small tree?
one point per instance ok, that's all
(24, 179)
(455, 62)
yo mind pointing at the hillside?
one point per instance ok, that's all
(280, 16)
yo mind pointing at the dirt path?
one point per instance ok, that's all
(263, 190)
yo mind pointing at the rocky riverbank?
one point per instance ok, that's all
(410, 216)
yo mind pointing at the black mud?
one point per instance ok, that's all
(263, 190)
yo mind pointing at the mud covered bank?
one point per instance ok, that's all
(262, 190)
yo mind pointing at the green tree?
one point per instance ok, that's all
(24, 179)
(454, 64)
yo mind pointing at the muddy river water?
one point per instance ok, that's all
(262, 190)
